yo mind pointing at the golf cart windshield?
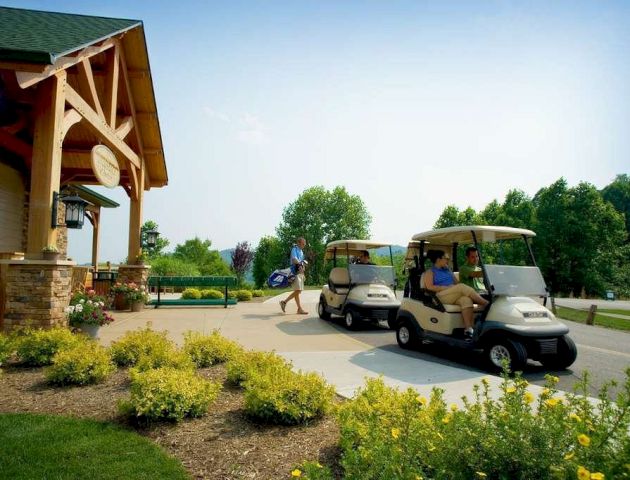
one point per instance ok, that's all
(516, 281)
(364, 274)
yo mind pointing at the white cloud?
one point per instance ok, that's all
(217, 115)
(252, 130)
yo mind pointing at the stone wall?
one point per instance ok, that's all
(138, 274)
(37, 293)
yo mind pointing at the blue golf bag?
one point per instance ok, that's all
(281, 278)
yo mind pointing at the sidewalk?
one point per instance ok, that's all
(310, 343)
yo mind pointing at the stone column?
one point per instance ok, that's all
(36, 293)
(138, 274)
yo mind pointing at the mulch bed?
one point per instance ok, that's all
(224, 444)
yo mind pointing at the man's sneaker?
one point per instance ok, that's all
(468, 334)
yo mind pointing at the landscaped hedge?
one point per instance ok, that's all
(247, 364)
(211, 294)
(169, 394)
(207, 350)
(154, 347)
(81, 364)
(191, 294)
(38, 347)
(243, 295)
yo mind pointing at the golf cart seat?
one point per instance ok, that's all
(431, 299)
(339, 280)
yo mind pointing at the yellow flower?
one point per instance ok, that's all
(480, 475)
(529, 397)
(569, 456)
(546, 391)
(597, 476)
(395, 432)
(421, 400)
(554, 379)
(446, 419)
(552, 402)
(510, 389)
(575, 417)
(453, 407)
(584, 440)
(583, 473)
(485, 381)
(296, 473)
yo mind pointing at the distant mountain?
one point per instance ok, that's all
(383, 251)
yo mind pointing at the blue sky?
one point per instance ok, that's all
(410, 105)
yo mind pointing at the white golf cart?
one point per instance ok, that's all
(514, 327)
(358, 292)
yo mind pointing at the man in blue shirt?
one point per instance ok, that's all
(297, 267)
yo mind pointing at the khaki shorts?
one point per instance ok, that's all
(298, 283)
(457, 295)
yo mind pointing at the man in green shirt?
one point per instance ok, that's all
(470, 273)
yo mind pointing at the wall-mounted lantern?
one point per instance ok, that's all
(75, 210)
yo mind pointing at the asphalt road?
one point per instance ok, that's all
(604, 353)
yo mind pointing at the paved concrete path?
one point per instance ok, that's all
(310, 343)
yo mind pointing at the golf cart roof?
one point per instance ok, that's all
(352, 247)
(464, 234)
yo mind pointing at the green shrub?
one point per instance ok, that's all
(309, 470)
(212, 294)
(191, 294)
(243, 295)
(7, 347)
(38, 347)
(128, 350)
(386, 433)
(166, 265)
(247, 364)
(232, 293)
(282, 396)
(206, 350)
(258, 293)
(169, 394)
(86, 362)
(164, 356)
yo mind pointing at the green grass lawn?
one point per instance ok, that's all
(617, 311)
(45, 446)
(600, 320)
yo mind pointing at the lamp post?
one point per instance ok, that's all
(152, 236)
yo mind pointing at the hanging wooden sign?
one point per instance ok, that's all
(105, 166)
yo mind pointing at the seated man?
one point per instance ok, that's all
(364, 258)
(470, 273)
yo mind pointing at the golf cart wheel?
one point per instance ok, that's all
(321, 309)
(506, 350)
(406, 336)
(351, 320)
(565, 355)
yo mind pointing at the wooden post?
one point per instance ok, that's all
(95, 237)
(590, 319)
(46, 162)
(553, 306)
(135, 218)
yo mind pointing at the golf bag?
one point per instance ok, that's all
(281, 278)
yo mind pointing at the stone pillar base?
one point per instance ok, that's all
(36, 293)
(138, 274)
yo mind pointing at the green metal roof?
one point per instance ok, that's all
(92, 197)
(41, 37)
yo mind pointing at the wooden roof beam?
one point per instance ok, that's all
(101, 128)
(27, 79)
(88, 86)
(112, 70)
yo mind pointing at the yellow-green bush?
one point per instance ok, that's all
(135, 344)
(164, 356)
(386, 433)
(243, 366)
(38, 347)
(232, 293)
(168, 394)
(243, 295)
(310, 470)
(7, 347)
(258, 293)
(86, 362)
(191, 294)
(212, 294)
(206, 350)
(282, 396)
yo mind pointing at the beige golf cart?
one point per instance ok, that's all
(515, 326)
(358, 292)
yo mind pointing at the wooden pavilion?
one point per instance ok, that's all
(68, 83)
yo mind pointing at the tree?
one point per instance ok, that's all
(452, 217)
(197, 252)
(618, 193)
(152, 250)
(242, 258)
(321, 216)
(269, 256)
